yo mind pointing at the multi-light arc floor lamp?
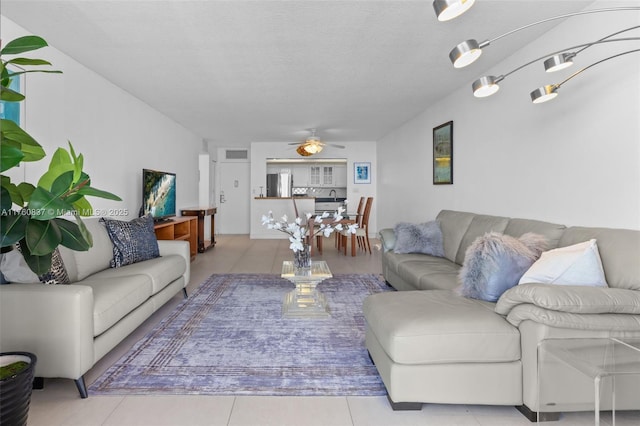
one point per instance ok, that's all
(550, 91)
(469, 51)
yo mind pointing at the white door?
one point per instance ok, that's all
(234, 197)
(204, 198)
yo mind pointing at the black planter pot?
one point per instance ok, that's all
(15, 392)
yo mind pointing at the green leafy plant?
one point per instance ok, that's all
(32, 215)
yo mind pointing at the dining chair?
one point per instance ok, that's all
(360, 216)
(295, 207)
(362, 232)
(359, 212)
(311, 230)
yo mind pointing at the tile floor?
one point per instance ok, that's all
(59, 404)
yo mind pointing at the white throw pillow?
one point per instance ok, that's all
(578, 264)
(15, 269)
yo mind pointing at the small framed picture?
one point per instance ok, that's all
(14, 111)
(361, 172)
(443, 154)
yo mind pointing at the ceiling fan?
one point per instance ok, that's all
(312, 145)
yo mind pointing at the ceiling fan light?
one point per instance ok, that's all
(485, 86)
(312, 147)
(465, 53)
(558, 62)
(544, 94)
(449, 9)
(302, 151)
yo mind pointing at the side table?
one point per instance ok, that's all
(598, 360)
(201, 213)
(179, 228)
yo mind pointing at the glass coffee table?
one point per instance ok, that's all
(305, 301)
(600, 361)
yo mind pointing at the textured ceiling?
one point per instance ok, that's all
(234, 72)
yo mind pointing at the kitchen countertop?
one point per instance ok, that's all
(316, 199)
(320, 199)
(284, 198)
(330, 199)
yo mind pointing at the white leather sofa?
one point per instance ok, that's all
(431, 345)
(70, 327)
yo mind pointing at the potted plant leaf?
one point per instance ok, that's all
(35, 216)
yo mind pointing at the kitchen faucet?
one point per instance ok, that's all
(334, 194)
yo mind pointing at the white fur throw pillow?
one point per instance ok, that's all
(495, 262)
(425, 238)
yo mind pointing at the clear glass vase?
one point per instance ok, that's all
(302, 258)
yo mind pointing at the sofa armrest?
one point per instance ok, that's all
(565, 320)
(388, 239)
(181, 248)
(55, 322)
(571, 299)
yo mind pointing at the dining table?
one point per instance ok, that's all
(330, 221)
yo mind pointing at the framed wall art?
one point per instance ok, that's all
(14, 111)
(443, 154)
(361, 172)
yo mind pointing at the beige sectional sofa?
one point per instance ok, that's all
(71, 327)
(432, 345)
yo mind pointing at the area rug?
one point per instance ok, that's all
(229, 338)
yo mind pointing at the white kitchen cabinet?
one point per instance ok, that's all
(300, 175)
(315, 176)
(322, 176)
(340, 176)
(327, 176)
(319, 175)
(273, 168)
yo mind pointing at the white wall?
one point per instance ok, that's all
(574, 160)
(353, 152)
(118, 134)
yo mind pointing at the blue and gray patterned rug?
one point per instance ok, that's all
(229, 338)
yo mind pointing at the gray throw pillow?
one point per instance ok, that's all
(495, 262)
(133, 241)
(425, 238)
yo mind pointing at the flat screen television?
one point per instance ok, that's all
(158, 194)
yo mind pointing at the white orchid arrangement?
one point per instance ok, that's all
(298, 229)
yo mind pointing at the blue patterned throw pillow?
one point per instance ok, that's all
(58, 273)
(133, 241)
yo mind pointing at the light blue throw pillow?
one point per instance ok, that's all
(495, 262)
(425, 238)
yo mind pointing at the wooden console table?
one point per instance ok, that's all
(179, 228)
(201, 213)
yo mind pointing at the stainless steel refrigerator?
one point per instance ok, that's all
(279, 185)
